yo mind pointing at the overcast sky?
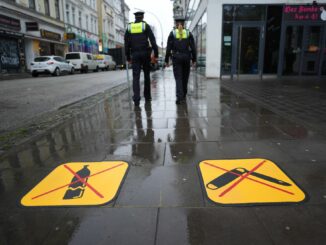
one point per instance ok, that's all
(163, 9)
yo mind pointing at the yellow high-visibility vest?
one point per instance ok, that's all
(135, 28)
(185, 34)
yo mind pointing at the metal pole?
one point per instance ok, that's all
(126, 62)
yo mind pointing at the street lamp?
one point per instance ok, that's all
(158, 20)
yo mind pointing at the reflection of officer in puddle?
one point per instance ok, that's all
(145, 134)
(184, 146)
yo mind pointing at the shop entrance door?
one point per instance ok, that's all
(302, 50)
(247, 51)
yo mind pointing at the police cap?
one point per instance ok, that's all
(180, 19)
(139, 14)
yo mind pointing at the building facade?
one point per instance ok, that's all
(106, 26)
(29, 28)
(119, 23)
(259, 38)
(81, 25)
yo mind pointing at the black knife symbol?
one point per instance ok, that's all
(270, 179)
(233, 174)
(225, 178)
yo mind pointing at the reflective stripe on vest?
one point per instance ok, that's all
(135, 28)
(185, 34)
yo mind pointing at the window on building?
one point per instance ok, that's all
(79, 19)
(31, 4)
(73, 15)
(92, 24)
(87, 22)
(68, 13)
(46, 7)
(57, 9)
(95, 26)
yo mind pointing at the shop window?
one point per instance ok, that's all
(293, 49)
(273, 35)
(227, 48)
(313, 39)
(249, 12)
(312, 50)
(228, 12)
(324, 57)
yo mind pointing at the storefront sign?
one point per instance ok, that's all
(10, 23)
(50, 35)
(305, 13)
(70, 36)
(31, 26)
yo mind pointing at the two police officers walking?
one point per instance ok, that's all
(180, 46)
(138, 53)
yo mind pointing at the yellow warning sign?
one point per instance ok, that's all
(248, 181)
(78, 184)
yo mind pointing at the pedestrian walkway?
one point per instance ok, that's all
(12, 76)
(162, 199)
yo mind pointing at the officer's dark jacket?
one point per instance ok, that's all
(139, 41)
(184, 44)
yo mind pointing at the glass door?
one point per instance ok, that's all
(312, 50)
(292, 50)
(247, 49)
(303, 50)
(323, 67)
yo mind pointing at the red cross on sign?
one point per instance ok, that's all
(75, 184)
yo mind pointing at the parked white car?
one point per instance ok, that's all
(54, 65)
(105, 62)
(83, 62)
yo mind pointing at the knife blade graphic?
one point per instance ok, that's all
(270, 179)
(233, 174)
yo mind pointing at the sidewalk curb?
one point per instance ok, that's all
(40, 125)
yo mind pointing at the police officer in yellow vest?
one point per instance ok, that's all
(138, 52)
(181, 46)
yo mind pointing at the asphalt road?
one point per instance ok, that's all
(23, 99)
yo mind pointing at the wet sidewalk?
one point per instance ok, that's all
(161, 200)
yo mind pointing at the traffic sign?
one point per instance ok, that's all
(78, 184)
(247, 182)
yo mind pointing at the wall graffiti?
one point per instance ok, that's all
(9, 54)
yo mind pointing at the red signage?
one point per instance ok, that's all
(304, 12)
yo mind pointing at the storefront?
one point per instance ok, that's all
(81, 41)
(262, 39)
(23, 39)
(12, 57)
(47, 43)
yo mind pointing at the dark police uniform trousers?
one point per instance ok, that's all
(181, 71)
(141, 60)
